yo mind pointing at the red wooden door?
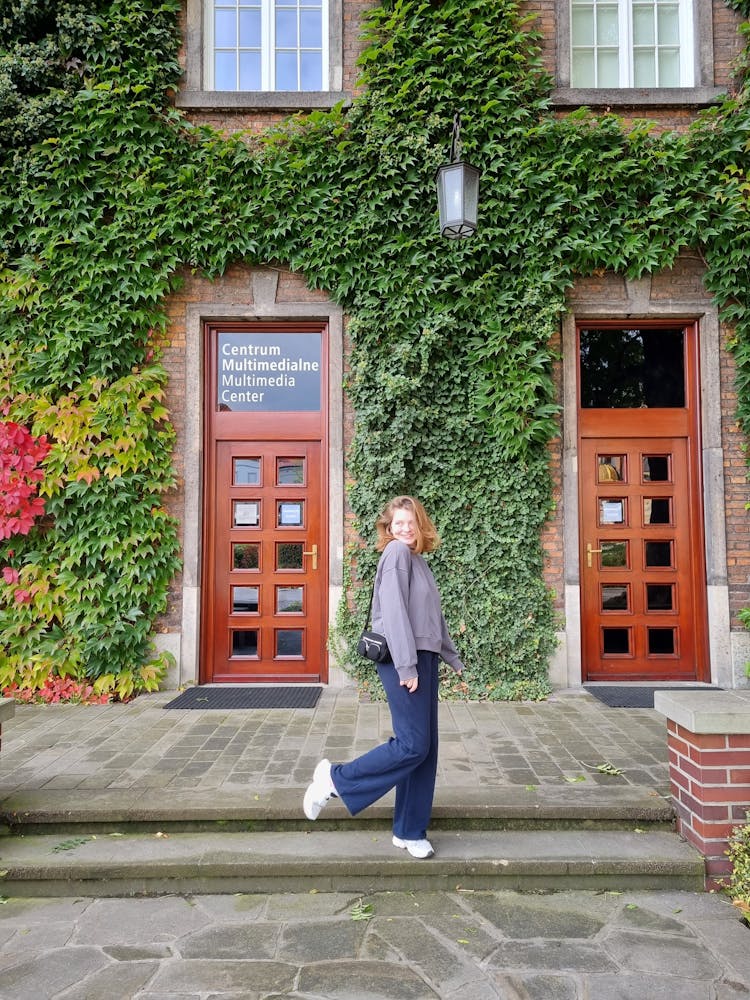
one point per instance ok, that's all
(265, 550)
(642, 566)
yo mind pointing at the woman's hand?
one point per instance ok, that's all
(411, 685)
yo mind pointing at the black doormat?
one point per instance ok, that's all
(635, 696)
(248, 696)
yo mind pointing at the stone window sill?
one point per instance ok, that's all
(253, 100)
(691, 97)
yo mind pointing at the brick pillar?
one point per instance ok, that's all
(708, 734)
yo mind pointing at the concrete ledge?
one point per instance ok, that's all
(7, 709)
(703, 712)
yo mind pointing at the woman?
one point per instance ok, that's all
(406, 609)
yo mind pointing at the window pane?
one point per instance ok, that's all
(661, 641)
(582, 25)
(644, 68)
(615, 641)
(668, 21)
(245, 642)
(611, 511)
(290, 514)
(250, 71)
(610, 468)
(286, 29)
(669, 68)
(244, 599)
(607, 31)
(659, 597)
(290, 471)
(246, 556)
(225, 71)
(246, 513)
(658, 553)
(656, 469)
(288, 599)
(614, 554)
(286, 71)
(250, 29)
(311, 71)
(311, 31)
(246, 472)
(289, 642)
(644, 29)
(657, 510)
(615, 597)
(289, 555)
(583, 69)
(608, 68)
(225, 29)
(632, 368)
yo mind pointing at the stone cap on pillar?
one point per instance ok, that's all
(706, 711)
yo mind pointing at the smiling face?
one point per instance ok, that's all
(404, 526)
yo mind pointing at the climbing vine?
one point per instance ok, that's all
(107, 193)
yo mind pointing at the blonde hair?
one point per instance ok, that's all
(426, 532)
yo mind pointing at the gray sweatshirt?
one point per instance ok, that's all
(406, 610)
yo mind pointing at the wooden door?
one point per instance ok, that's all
(264, 606)
(642, 568)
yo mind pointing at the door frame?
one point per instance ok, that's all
(259, 296)
(621, 300)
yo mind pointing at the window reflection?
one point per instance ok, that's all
(632, 368)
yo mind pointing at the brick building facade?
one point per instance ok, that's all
(272, 297)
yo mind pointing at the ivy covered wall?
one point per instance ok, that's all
(107, 194)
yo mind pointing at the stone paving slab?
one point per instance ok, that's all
(482, 945)
(142, 749)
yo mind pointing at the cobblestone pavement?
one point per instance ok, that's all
(388, 946)
(140, 745)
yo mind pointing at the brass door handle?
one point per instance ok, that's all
(314, 553)
(589, 553)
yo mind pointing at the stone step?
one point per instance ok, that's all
(498, 808)
(353, 860)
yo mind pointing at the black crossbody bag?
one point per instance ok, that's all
(372, 645)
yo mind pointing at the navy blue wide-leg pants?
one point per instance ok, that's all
(408, 761)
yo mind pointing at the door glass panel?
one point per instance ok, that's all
(290, 471)
(246, 513)
(611, 468)
(615, 641)
(661, 641)
(246, 555)
(289, 642)
(611, 511)
(659, 597)
(288, 599)
(246, 472)
(656, 469)
(657, 510)
(289, 555)
(658, 553)
(632, 368)
(615, 597)
(290, 514)
(614, 554)
(245, 599)
(245, 642)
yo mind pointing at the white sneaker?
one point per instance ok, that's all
(417, 848)
(319, 791)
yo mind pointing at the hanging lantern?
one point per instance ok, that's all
(458, 191)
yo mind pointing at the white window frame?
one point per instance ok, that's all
(626, 48)
(268, 48)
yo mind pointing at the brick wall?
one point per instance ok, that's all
(710, 783)
(735, 492)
